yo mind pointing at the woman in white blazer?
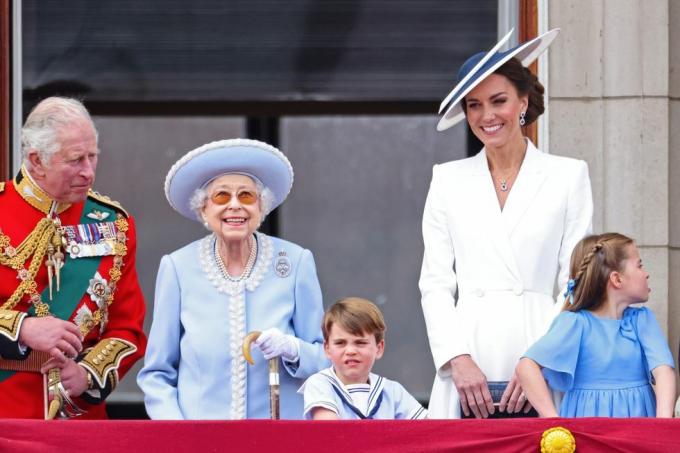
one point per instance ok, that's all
(498, 229)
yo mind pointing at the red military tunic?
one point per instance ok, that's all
(110, 347)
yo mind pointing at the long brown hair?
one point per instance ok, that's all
(594, 258)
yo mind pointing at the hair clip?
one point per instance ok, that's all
(569, 293)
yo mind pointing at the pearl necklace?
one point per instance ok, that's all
(246, 270)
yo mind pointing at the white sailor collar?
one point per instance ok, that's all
(376, 386)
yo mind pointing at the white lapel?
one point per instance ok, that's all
(530, 178)
(489, 211)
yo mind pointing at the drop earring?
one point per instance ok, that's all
(522, 121)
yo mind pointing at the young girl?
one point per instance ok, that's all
(600, 350)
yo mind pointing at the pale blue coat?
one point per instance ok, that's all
(189, 371)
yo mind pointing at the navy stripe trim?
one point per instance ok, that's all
(375, 391)
(373, 411)
(350, 404)
(418, 413)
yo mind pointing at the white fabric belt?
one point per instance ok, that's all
(517, 290)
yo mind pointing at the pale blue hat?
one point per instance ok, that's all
(250, 157)
(479, 66)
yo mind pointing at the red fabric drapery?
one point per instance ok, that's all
(592, 435)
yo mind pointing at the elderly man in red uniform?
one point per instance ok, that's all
(71, 309)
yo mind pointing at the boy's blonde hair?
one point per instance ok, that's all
(355, 315)
(594, 258)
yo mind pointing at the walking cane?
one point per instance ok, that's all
(273, 373)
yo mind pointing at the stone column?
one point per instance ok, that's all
(610, 104)
(674, 174)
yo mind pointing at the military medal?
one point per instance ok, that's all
(91, 239)
(97, 215)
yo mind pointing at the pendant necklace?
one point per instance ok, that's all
(504, 185)
(503, 182)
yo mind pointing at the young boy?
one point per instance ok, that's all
(353, 333)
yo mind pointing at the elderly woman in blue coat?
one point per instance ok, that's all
(212, 292)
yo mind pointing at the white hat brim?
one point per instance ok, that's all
(196, 168)
(525, 53)
(472, 72)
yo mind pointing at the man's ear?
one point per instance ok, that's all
(38, 167)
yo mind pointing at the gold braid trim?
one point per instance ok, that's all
(103, 199)
(10, 320)
(2, 187)
(105, 357)
(35, 245)
(120, 250)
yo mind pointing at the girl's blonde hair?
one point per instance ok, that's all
(594, 258)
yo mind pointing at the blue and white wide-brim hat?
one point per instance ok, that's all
(479, 66)
(242, 156)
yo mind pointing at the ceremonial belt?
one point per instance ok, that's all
(32, 363)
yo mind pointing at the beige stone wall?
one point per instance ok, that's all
(615, 102)
(674, 170)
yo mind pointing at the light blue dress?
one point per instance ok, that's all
(194, 368)
(387, 400)
(603, 365)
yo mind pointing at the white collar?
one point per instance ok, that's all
(376, 386)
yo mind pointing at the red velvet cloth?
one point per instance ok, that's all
(518, 435)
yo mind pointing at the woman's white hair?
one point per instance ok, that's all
(41, 129)
(200, 196)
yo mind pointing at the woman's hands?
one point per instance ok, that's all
(472, 388)
(474, 391)
(274, 343)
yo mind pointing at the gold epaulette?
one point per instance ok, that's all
(2, 186)
(107, 201)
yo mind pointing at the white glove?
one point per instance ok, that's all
(273, 343)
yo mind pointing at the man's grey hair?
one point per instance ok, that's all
(42, 127)
(200, 196)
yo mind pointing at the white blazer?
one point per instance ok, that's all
(489, 277)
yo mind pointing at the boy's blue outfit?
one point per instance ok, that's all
(386, 399)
